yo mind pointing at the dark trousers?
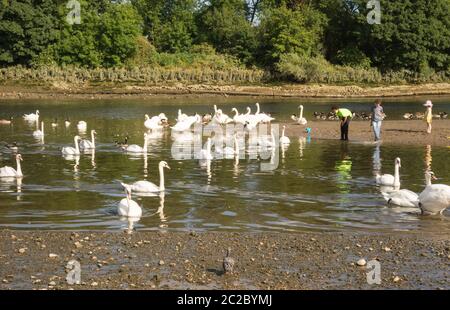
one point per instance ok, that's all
(344, 130)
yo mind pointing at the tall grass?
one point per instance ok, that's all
(296, 68)
(138, 75)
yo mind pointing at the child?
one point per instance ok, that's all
(428, 115)
(377, 118)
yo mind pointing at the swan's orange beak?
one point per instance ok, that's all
(168, 167)
(433, 177)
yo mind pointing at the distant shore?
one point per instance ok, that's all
(405, 132)
(66, 91)
(170, 260)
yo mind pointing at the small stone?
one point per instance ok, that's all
(161, 262)
(52, 283)
(252, 259)
(313, 239)
(5, 281)
(358, 245)
(52, 255)
(78, 245)
(370, 249)
(347, 248)
(361, 262)
(147, 265)
(22, 250)
(387, 249)
(94, 284)
(396, 279)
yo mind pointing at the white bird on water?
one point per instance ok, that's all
(9, 172)
(136, 149)
(89, 145)
(127, 207)
(68, 150)
(149, 187)
(389, 179)
(32, 116)
(300, 119)
(435, 198)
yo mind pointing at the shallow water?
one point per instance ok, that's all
(318, 185)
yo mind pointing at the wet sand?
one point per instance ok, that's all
(157, 260)
(405, 132)
(111, 91)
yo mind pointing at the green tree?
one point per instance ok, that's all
(284, 31)
(168, 24)
(27, 27)
(224, 24)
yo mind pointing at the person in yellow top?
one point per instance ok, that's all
(428, 115)
(345, 116)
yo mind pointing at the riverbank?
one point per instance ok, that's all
(66, 91)
(157, 260)
(405, 132)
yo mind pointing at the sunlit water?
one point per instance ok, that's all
(318, 185)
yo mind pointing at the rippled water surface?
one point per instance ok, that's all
(318, 185)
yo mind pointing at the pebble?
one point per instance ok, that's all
(161, 262)
(94, 284)
(78, 245)
(52, 283)
(5, 281)
(22, 250)
(52, 255)
(361, 262)
(396, 279)
(387, 249)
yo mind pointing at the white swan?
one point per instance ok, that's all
(32, 116)
(54, 124)
(435, 198)
(153, 123)
(181, 116)
(263, 117)
(149, 187)
(228, 150)
(401, 198)
(127, 207)
(265, 142)
(300, 119)
(238, 118)
(89, 145)
(389, 179)
(68, 150)
(8, 172)
(82, 126)
(67, 123)
(283, 138)
(187, 123)
(221, 117)
(39, 134)
(134, 148)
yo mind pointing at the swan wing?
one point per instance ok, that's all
(402, 198)
(134, 148)
(86, 144)
(8, 172)
(385, 179)
(435, 198)
(145, 187)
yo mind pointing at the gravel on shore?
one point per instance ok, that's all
(177, 260)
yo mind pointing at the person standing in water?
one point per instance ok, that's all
(377, 119)
(345, 116)
(428, 115)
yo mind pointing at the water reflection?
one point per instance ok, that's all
(343, 167)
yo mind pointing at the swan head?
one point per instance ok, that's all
(431, 175)
(19, 157)
(398, 162)
(93, 132)
(77, 138)
(37, 112)
(127, 189)
(164, 164)
(146, 117)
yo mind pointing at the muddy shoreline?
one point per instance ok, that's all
(171, 260)
(404, 132)
(66, 91)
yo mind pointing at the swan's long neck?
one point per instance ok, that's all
(236, 146)
(428, 179)
(161, 178)
(301, 112)
(235, 112)
(77, 148)
(42, 128)
(257, 108)
(145, 145)
(215, 109)
(249, 111)
(93, 139)
(19, 167)
(397, 175)
(282, 133)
